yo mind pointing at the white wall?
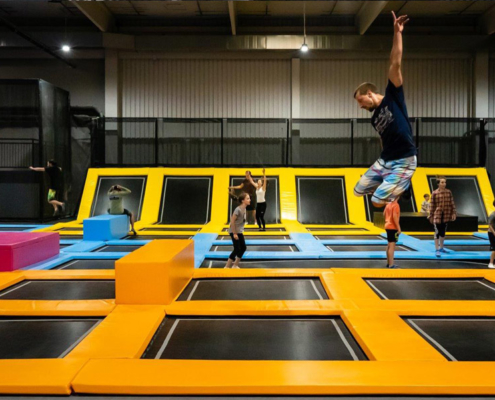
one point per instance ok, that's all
(433, 87)
(187, 88)
(85, 83)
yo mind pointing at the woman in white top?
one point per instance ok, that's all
(261, 202)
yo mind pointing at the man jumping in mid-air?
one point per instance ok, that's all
(391, 174)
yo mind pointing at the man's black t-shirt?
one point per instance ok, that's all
(391, 121)
(55, 175)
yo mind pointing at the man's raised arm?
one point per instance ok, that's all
(395, 73)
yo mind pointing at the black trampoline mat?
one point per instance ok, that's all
(257, 248)
(15, 229)
(88, 264)
(117, 249)
(71, 229)
(485, 247)
(186, 200)
(132, 202)
(458, 339)
(321, 200)
(169, 229)
(336, 229)
(349, 237)
(256, 237)
(63, 246)
(258, 229)
(253, 339)
(349, 263)
(433, 289)
(449, 237)
(71, 237)
(60, 290)
(156, 237)
(28, 338)
(254, 289)
(367, 247)
(405, 206)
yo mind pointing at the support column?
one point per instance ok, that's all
(295, 111)
(480, 84)
(113, 109)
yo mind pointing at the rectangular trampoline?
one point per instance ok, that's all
(60, 290)
(315, 193)
(433, 289)
(255, 237)
(170, 229)
(365, 247)
(254, 289)
(31, 338)
(258, 247)
(88, 264)
(156, 237)
(347, 263)
(337, 229)
(458, 338)
(349, 237)
(255, 338)
(117, 249)
(448, 237)
(257, 230)
(186, 200)
(133, 202)
(467, 247)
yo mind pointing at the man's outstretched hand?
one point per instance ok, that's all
(399, 22)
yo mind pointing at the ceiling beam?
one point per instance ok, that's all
(367, 14)
(487, 22)
(98, 14)
(233, 17)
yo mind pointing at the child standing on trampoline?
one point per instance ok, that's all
(392, 226)
(261, 202)
(116, 196)
(390, 176)
(236, 231)
(491, 237)
(442, 211)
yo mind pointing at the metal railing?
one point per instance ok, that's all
(280, 142)
(18, 153)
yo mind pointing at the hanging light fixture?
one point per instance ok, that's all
(304, 47)
(66, 48)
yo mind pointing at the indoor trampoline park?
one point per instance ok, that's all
(247, 199)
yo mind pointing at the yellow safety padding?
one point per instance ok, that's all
(384, 336)
(342, 286)
(125, 333)
(10, 278)
(41, 377)
(69, 308)
(413, 273)
(435, 308)
(259, 307)
(154, 274)
(56, 274)
(200, 377)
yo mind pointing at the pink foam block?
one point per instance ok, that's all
(21, 249)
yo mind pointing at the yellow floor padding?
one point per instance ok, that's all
(199, 377)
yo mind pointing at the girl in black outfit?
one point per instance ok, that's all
(236, 231)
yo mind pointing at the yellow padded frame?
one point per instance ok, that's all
(401, 361)
(288, 196)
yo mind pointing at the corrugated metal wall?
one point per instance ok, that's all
(433, 88)
(206, 88)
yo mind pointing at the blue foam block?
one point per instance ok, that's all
(105, 227)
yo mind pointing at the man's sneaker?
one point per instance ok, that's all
(438, 253)
(442, 250)
(395, 266)
(491, 265)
